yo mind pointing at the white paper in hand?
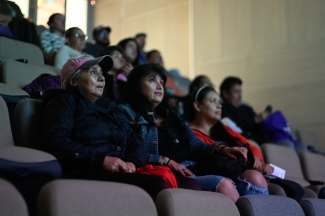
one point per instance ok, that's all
(279, 172)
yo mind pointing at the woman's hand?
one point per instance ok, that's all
(130, 167)
(179, 168)
(266, 168)
(231, 152)
(126, 69)
(257, 162)
(114, 164)
(261, 117)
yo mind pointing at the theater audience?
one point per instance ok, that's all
(166, 138)
(53, 39)
(184, 102)
(141, 40)
(131, 51)
(116, 78)
(74, 44)
(101, 38)
(250, 122)
(76, 122)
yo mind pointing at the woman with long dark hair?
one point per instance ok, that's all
(165, 137)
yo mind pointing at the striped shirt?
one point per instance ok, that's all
(51, 42)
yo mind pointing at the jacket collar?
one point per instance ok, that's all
(131, 115)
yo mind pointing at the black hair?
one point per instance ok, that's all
(200, 97)
(133, 93)
(109, 50)
(69, 32)
(123, 44)
(150, 53)
(227, 85)
(140, 35)
(196, 83)
(51, 18)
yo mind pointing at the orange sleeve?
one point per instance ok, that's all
(203, 137)
(243, 140)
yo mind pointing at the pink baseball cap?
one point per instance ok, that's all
(82, 62)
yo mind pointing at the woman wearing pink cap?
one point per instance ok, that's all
(77, 122)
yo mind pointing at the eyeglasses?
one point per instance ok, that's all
(81, 36)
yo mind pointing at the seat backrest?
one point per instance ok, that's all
(313, 207)
(12, 96)
(178, 202)
(6, 134)
(268, 206)
(287, 159)
(27, 123)
(11, 201)
(84, 197)
(312, 165)
(20, 74)
(14, 49)
(310, 138)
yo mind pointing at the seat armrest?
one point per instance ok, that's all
(314, 183)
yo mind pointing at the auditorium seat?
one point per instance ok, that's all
(256, 205)
(287, 159)
(313, 207)
(84, 197)
(19, 74)
(26, 168)
(14, 49)
(313, 168)
(179, 202)
(11, 201)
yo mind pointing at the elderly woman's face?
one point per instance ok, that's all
(152, 87)
(92, 82)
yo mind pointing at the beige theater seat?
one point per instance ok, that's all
(261, 205)
(313, 168)
(14, 49)
(82, 197)
(19, 74)
(287, 159)
(11, 201)
(179, 202)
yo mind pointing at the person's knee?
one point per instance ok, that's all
(225, 184)
(254, 177)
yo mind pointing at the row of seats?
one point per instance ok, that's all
(26, 126)
(305, 168)
(81, 197)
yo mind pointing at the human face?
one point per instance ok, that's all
(92, 82)
(210, 107)
(141, 40)
(131, 51)
(234, 96)
(152, 87)
(156, 58)
(102, 37)
(77, 41)
(118, 60)
(58, 23)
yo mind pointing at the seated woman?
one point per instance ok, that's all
(165, 137)
(116, 78)
(76, 122)
(75, 43)
(131, 51)
(52, 40)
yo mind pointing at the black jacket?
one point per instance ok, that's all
(72, 123)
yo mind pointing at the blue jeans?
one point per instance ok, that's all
(211, 183)
(245, 188)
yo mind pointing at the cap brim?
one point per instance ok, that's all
(105, 62)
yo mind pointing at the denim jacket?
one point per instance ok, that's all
(149, 135)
